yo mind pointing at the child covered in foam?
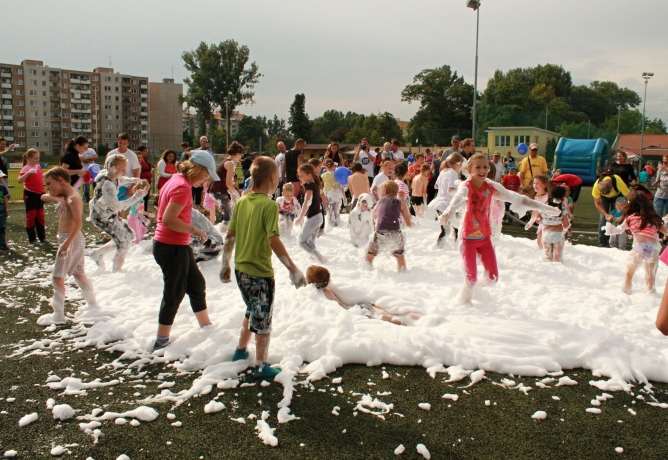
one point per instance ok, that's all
(361, 221)
(320, 277)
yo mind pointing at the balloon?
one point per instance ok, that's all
(522, 149)
(94, 169)
(341, 175)
(122, 190)
(411, 159)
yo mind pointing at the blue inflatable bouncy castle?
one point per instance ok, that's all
(582, 157)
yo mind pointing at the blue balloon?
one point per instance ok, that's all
(122, 190)
(522, 149)
(94, 169)
(341, 175)
(411, 159)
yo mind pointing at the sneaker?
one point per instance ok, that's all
(239, 355)
(159, 346)
(44, 241)
(34, 242)
(265, 371)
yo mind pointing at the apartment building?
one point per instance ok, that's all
(43, 107)
(166, 113)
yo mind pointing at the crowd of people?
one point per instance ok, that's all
(470, 194)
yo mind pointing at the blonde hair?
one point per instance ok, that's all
(57, 173)
(261, 170)
(453, 159)
(189, 169)
(390, 187)
(476, 157)
(288, 188)
(29, 154)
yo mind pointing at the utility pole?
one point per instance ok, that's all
(646, 76)
(227, 120)
(475, 5)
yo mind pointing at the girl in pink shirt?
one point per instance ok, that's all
(645, 224)
(33, 188)
(475, 194)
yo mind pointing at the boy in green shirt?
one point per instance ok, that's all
(255, 224)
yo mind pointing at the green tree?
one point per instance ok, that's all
(251, 130)
(275, 126)
(630, 122)
(300, 125)
(445, 99)
(655, 126)
(219, 78)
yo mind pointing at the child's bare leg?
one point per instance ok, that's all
(650, 275)
(262, 348)
(244, 335)
(631, 267)
(558, 250)
(401, 264)
(548, 251)
(58, 305)
(119, 260)
(369, 260)
(87, 290)
(539, 240)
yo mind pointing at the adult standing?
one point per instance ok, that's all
(623, 169)
(366, 159)
(87, 159)
(70, 159)
(508, 159)
(498, 166)
(334, 154)
(467, 149)
(204, 146)
(221, 190)
(532, 166)
(246, 162)
(280, 161)
(171, 245)
(134, 169)
(185, 151)
(605, 193)
(3, 159)
(166, 167)
(146, 170)
(293, 160)
(661, 184)
(454, 142)
(398, 154)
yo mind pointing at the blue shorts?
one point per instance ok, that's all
(258, 294)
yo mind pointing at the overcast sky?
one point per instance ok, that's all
(350, 54)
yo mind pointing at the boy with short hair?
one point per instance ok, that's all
(415, 168)
(4, 211)
(388, 227)
(71, 243)
(419, 190)
(512, 182)
(255, 224)
(387, 170)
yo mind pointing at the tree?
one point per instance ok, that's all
(445, 99)
(251, 130)
(275, 126)
(630, 122)
(300, 125)
(219, 78)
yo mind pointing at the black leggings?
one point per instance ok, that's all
(181, 276)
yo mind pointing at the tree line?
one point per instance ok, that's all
(542, 96)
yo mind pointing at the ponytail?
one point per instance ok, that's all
(28, 154)
(79, 140)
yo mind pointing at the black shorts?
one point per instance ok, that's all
(417, 200)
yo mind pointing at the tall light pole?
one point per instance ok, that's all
(646, 76)
(475, 5)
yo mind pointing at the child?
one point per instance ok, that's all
(317, 167)
(446, 185)
(388, 227)
(334, 193)
(71, 242)
(320, 277)
(104, 208)
(644, 178)
(33, 189)
(209, 203)
(616, 218)
(555, 226)
(225, 191)
(288, 209)
(475, 232)
(400, 172)
(512, 182)
(387, 170)
(205, 249)
(358, 183)
(4, 211)
(361, 220)
(138, 220)
(541, 186)
(313, 196)
(419, 190)
(255, 224)
(645, 224)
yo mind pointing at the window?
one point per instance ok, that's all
(20, 113)
(46, 134)
(18, 81)
(108, 126)
(45, 114)
(64, 105)
(66, 115)
(32, 72)
(134, 137)
(536, 141)
(46, 124)
(108, 117)
(34, 124)
(107, 107)
(44, 93)
(21, 134)
(522, 140)
(19, 92)
(32, 82)
(116, 101)
(46, 144)
(107, 135)
(34, 133)
(20, 103)
(35, 144)
(18, 72)
(65, 75)
(65, 86)
(33, 92)
(43, 72)
(502, 141)
(66, 125)
(107, 98)
(64, 95)
(20, 124)
(44, 83)
(107, 88)
(33, 103)
(144, 136)
(45, 104)
(118, 117)
(117, 86)
(107, 79)
(95, 78)
(116, 80)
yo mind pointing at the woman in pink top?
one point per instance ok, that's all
(171, 244)
(33, 189)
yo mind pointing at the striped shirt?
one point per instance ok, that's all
(634, 221)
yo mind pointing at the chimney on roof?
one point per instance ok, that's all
(168, 80)
(32, 62)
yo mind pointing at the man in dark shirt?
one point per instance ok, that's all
(293, 160)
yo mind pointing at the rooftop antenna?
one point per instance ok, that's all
(172, 72)
(110, 61)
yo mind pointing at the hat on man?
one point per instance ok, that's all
(605, 186)
(455, 138)
(533, 146)
(203, 158)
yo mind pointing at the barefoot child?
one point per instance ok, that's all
(288, 209)
(446, 185)
(388, 226)
(361, 221)
(320, 277)
(554, 227)
(71, 242)
(255, 225)
(138, 220)
(419, 190)
(475, 231)
(33, 189)
(105, 206)
(541, 187)
(313, 196)
(334, 193)
(358, 183)
(645, 224)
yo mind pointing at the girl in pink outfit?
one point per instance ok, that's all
(138, 220)
(476, 194)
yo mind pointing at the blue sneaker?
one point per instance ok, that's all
(266, 371)
(239, 355)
